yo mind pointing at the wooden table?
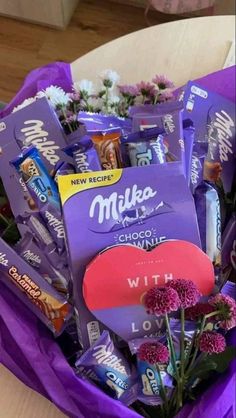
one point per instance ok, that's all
(182, 50)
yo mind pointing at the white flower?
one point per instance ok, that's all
(114, 99)
(25, 103)
(84, 86)
(110, 75)
(56, 96)
(95, 102)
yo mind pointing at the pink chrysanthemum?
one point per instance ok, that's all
(211, 342)
(146, 89)
(75, 96)
(153, 353)
(227, 307)
(161, 300)
(163, 82)
(128, 90)
(187, 291)
(165, 96)
(198, 311)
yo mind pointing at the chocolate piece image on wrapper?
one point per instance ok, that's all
(107, 145)
(34, 174)
(41, 298)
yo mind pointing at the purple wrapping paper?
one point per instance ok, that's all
(27, 347)
(56, 73)
(28, 350)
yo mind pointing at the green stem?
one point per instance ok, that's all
(4, 219)
(199, 336)
(106, 99)
(190, 348)
(182, 360)
(172, 350)
(64, 114)
(162, 391)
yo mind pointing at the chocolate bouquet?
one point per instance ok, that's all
(117, 248)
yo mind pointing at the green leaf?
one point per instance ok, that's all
(201, 370)
(101, 93)
(11, 234)
(222, 360)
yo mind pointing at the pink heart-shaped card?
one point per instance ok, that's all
(116, 280)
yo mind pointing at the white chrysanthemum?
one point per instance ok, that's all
(84, 86)
(110, 75)
(114, 99)
(95, 102)
(25, 103)
(56, 95)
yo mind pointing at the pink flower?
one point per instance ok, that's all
(75, 96)
(187, 291)
(227, 307)
(128, 90)
(165, 96)
(146, 89)
(161, 300)
(153, 353)
(163, 82)
(198, 311)
(211, 342)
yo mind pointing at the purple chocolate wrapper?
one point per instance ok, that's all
(197, 164)
(165, 211)
(35, 292)
(43, 237)
(84, 155)
(106, 366)
(13, 183)
(148, 389)
(214, 120)
(32, 170)
(27, 248)
(96, 122)
(228, 254)
(53, 221)
(40, 364)
(144, 147)
(166, 116)
(37, 125)
(229, 289)
(62, 169)
(209, 220)
(189, 135)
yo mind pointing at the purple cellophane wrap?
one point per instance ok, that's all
(29, 351)
(27, 348)
(57, 73)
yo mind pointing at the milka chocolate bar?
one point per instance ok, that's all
(214, 120)
(37, 125)
(41, 298)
